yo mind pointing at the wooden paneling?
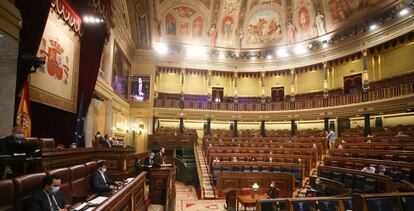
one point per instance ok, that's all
(231, 181)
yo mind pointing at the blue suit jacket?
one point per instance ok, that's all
(39, 201)
(98, 183)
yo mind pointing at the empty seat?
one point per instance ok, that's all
(328, 205)
(349, 180)
(65, 187)
(303, 205)
(79, 183)
(389, 203)
(359, 181)
(90, 168)
(47, 143)
(255, 168)
(247, 168)
(6, 195)
(337, 176)
(370, 186)
(325, 174)
(265, 168)
(24, 187)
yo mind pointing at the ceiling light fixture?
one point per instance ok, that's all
(300, 49)
(222, 55)
(373, 26)
(92, 19)
(161, 48)
(282, 53)
(269, 56)
(404, 12)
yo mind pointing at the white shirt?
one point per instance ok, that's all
(103, 176)
(368, 169)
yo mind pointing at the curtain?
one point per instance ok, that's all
(34, 17)
(49, 122)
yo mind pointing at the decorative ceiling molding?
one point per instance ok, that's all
(139, 17)
(386, 32)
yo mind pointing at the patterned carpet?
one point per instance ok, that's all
(187, 200)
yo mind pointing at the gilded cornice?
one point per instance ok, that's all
(386, 32)
(121, 31)
(393, 105)
(10, 19)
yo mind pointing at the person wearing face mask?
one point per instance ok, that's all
(273, 191)
(149, 160)
(48, 197)
(101, 184)
(17, 137)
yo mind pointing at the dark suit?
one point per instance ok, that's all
(148, 161)
(98, 183)
(273, 192)
(39, 201)
(158, 160)
(106, 143)
(8, 140)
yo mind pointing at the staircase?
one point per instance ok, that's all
(186, 166)
(206, 184)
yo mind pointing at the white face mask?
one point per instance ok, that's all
(55, 190)
(103, 170)
(19, 136)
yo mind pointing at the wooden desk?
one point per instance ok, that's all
(249, 201)
(14, 166)
(162, 186)
(238, 180)
(129, 197)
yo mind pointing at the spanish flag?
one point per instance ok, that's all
(23, 114)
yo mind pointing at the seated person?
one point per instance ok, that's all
(107, 141)
(401, 134)
(17, 137)
(234, 159)
(382, 170)
(368, 169)
(150, 159)
(101, 184)
(158, 158)
(48, 197)
(273, 190)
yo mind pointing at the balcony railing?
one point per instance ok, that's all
(379, 90)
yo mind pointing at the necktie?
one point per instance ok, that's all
(53, 202)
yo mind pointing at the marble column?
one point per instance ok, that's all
(367, 125)
(88, 125)
(8, 71)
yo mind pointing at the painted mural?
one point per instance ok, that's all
(183, 21)
(264, 27)
(121, 68)
(228, 23)
(303, 17)
(339, 10)
(253, 3)
(257, 23)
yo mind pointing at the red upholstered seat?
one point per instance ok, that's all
(90, 168)
(24, 187)
(6, 195)
(65, 188)
(47, 143)
(79, 182)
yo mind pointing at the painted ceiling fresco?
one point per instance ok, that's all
(256, 23)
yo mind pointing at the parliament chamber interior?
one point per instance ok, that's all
(199, 105)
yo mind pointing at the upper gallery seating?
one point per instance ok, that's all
(387, 88)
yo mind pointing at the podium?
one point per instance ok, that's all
(162, 186)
